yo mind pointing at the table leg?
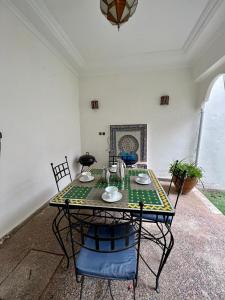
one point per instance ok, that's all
(168, 245)
(165, 241)
(57, 231)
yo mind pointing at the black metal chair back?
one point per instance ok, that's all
(60, 171)
(113, 159)
(93, 235)
(178, 178)
(172, 178)
(179, 184)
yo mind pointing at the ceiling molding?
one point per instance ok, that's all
(210, 42)
(208, 60)
(47, 18)
(17, 12)
(37, 17)
(153, 61)
(204, 19)
(211, 69)
(102, 73)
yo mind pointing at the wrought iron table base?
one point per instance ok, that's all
(58, 231)
(165, 241)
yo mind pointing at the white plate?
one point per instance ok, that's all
(85, 180)
(112, 170)
(141, 182)
(116, 198)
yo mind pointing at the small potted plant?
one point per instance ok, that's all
(193, 174)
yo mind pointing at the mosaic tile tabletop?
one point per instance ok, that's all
(88, 195)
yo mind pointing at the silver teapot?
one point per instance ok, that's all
(120, 171)
(105, 175)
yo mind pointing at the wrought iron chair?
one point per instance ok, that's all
(107, 251)
(177, 178)
(60, 171)
(162, 222)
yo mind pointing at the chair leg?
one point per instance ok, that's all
(134, 288)
(110, 290)
(81, 287)
(103, 297)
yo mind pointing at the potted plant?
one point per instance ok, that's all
(193, 174)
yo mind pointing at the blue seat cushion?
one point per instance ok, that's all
(111, 265)
(154, 217)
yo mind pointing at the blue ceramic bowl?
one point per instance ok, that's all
(129, 158)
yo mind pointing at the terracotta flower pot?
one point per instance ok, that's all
(189, 184)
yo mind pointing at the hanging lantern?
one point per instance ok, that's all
(118, 11)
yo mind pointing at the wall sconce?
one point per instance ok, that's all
(164, 100)
(94, 104)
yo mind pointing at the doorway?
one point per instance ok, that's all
(212, 150)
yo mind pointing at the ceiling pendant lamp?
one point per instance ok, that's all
(118, 11)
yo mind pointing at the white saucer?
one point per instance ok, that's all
(141, 182)
(85, 180)
(116, 198)
(112, 170)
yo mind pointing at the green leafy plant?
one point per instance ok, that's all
(192, 171)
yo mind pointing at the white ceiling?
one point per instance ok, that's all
(157, 25)
(160, 31)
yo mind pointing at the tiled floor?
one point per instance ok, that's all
(32, 265)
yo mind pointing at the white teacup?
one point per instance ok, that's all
(113, 167)
(86, 175)
(111, 191)
(143, 177)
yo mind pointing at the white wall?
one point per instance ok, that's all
(209, 62)
(204, 86)
(132, 98)
(211, 57)
(39, 118)
(212, 154)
